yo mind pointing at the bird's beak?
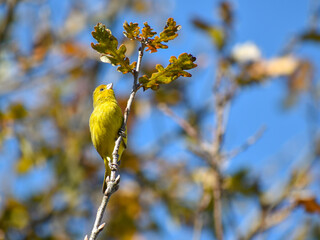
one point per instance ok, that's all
(109, 86)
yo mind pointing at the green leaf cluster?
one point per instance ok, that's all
(132, 31)
(108, 46)
(169, 33)
(175, 69)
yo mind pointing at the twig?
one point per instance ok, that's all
(198, 222)
(201, 148)
(220, 128)
(217, 206)
(219, 117)
(314, 18)
(278, 217)
(205, 155)
(250, 141)
(269, 220)
(221, 100)
(8, 19)
(185, 125)
(114, 179)
(197, 229)
(223, 96)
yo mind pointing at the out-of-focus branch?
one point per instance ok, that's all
(219, 129)
(222, 100)
(216, 157)
(8, 19)
(114, 179)
(268, 220)
(277, 217)
(185, 125)
(205, 155)
(198, 222)
(217, 205)
(219, 117)
(211, 155)
(223, 96)
(201, 148)
(250, 141)
(314, 18)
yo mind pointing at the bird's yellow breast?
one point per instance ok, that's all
(105, 122)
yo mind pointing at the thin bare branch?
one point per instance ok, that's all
(185, 125)
(268, 220)
(199, 151)
(201, 148)
(250, 141)
(8, 19)
(222, 100)
(217, 206)
(198, 222)
(220, 127)
(220, 103)
(277, 217)
(223, 96)
(114, 179)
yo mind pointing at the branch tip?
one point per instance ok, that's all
(100, 228)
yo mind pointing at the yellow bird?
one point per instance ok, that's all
(105, 123)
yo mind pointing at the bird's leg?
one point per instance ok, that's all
(113, 166)
(112, 184)
(122, 132)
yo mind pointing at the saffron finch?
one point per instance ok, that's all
(105, 123)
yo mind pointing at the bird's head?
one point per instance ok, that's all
(103, 93)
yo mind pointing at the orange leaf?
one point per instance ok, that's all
(310, 204)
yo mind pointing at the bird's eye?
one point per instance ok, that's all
(101, 89)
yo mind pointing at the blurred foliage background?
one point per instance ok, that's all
(183, 165)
